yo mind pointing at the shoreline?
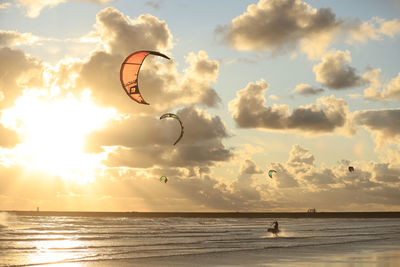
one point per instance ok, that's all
(393, 214)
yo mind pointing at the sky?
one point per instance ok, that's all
(306, 88)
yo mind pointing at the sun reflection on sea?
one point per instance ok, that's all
(56, 251)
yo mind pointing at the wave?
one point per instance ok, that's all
(99, 257)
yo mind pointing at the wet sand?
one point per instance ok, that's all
(326, 256)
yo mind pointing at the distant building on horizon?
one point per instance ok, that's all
(37, 209)
(313, 210)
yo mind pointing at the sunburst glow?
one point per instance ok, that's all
(53, 132)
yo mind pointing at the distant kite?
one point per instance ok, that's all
(171, 115)
(164, 179)
(129, 73)
(270, 173)
(351, 169)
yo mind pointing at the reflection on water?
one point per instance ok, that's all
(74, 241)
(55, 250)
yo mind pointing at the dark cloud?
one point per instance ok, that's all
(249, 111)
(277, 25)
(386, 173)
(307, 90)
(249, 167)
(146, 141)
(335, 73)
(386, 123)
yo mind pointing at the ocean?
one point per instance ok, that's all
(80, 241)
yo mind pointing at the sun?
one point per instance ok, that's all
(53, 131)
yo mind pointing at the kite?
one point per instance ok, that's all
(129, 73)
(171, 115)
(164, 178)
(270, 173)
(351, 169)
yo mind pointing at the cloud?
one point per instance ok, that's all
(160, 82)
(384, 172)
(146, 141)
(17, 71)
(276, 25)
(306, 89)
(284, 25)
(373, 29)
(385, 123)
(154, 4)
(249, 111)
(244, 189)
(301, 183)
(34, 7)
(122, 35)
(390, 91)
(249, 167)
(13, 38)
(335, 73)
(8, 138)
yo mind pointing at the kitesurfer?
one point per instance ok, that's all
(274, 230)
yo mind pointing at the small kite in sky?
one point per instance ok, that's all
(171, 115)
(164, 178)
(129, 73)
(270, 173)
(351, 169)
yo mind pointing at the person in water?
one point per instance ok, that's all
(276, 226)
(274, 230)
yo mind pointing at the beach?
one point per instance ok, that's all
(49, 240)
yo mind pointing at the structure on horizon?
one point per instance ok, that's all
(313, 210)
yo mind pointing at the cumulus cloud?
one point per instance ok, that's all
(160, 82)
(306, 89)
(389, 91)
(249, 167)
(18, 71)
(122, 35)
(335, 72)
(384, 123)
(275, 25)
(299, 178)
(250, 111)
(146, 141)
(243, 187)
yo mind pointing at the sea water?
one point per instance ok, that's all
(29, 240)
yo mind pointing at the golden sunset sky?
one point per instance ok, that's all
(307, 88)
